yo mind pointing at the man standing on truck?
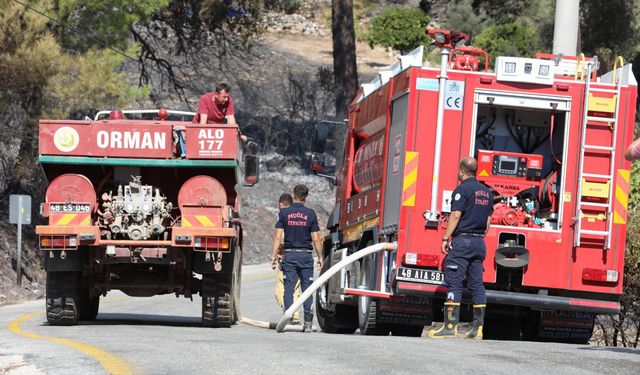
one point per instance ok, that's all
(463, 243)
(301, 235)
(216, 107)
(285, 201)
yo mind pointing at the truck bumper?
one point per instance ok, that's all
(539, 301)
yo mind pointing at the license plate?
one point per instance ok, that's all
(420, 276)
(69, 207)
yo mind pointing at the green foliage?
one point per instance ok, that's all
(399, 28)
(28, 53)
(88, 82)
(512, 39)
(610, 24)
(92, 24)
(461, 16)
(507, 11)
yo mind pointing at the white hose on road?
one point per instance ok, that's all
(384, 246)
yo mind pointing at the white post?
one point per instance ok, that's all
(19, 256)
(432, 214)
(565, 30)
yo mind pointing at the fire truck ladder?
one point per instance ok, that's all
(588, 123)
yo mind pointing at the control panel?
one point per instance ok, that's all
(509, 164)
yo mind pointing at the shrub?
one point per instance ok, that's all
(511, 39)
(399, 28)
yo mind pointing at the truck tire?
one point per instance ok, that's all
(368, 306)
(217, 301)
(334, 318)
(88, 307)
(368, 318)
(406, 330)
(62, 298)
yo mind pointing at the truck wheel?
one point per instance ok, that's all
(367, 306)
(217, 301)
(62, 298)
(88, 307)
(406, 330)
(368, 318)
(334, 318)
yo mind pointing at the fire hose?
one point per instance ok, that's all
(286, 317)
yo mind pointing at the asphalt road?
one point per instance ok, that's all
(162, 335)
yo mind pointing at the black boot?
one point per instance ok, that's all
(451, 318)
(478, 322)
(308, 323)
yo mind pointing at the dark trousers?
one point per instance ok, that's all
(465, 259)
(294, 266)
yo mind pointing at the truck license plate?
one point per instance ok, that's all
(420, 276)
(69, 207)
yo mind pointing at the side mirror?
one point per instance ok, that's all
(250, 148)
(317, 163)
(251, 170)
(320, 136)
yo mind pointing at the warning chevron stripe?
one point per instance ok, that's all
(622, 197)
(83, 219)
(409, 184)
(200, 221)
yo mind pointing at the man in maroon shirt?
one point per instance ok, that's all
(216, 107)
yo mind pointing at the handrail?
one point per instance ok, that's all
(615, 68)
(578, 65)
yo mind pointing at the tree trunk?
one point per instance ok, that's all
(345, 71)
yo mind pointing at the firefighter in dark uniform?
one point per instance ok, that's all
(301, 234)
(463, 243)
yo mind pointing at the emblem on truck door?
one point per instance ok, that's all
(66, 139)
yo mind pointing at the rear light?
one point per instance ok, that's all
(605, 276)
(211, 243)
(58, 242)
(421, 260)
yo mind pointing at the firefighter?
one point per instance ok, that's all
(285, 201)
(463, 244)
(633, 151)
(301, 235)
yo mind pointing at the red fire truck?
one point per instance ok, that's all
(143, 202)
(548, 134)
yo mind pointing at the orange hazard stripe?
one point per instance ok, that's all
(409, 184)
(204, 221)
(622, 197)
(70, 219)
(198, 221)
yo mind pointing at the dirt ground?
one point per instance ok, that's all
(370, 60)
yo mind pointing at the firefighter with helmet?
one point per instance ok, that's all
(463, 244)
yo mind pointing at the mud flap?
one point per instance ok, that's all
(55, 261)
(566, 326)
(415, 311)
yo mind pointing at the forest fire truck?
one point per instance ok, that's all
(547, 133)
(144, 202)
